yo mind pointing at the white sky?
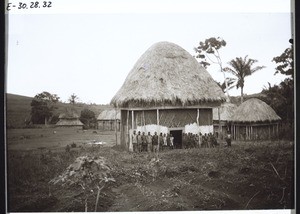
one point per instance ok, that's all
(88, 47)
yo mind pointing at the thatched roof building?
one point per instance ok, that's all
(69, 119)
(109, 119)
(166, 74)
(168, 88)
(254, 119)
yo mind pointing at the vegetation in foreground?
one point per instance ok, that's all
(249, 175)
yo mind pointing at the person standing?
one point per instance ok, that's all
(144, 143)
(149, 142)
(139, 141)
(171, 141)
(134, 141)
(228, 139)
(160, 141)
(155, 142)
(165, 143)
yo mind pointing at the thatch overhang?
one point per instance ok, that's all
(109, 115)
(254, 110)
(167, 75)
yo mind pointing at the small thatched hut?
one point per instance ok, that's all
(167, 91)
(222, 117)
(109, 120)
(255, 120)
(69, 119)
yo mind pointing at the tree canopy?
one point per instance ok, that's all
(42, 106)
(88, 118)
(73, 99)
(241, 68)
(285, 62)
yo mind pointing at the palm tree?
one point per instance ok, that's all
(241, 68)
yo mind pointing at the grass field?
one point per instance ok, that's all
(18, 109)
(249, 175)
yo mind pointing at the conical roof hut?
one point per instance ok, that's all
(255, 110)
(167, 90)
(255, 120)
(69, 119)
(166, 74)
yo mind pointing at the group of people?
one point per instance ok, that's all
(151, 143)
(161, 142)
(190, 140)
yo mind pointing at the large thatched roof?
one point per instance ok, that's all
(109, 115)
(166, 74)
(254, 110)
(226, 112)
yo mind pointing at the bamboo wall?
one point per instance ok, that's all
(266, 131)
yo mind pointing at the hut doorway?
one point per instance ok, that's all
(177, 134)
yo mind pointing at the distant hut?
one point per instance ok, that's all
(255, 120)
(108, 119)
(167, 91)
(69, 119)
(222, 117)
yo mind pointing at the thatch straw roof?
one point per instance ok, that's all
(69, 122)
(68, 115)
(109, 115)
(166, 74)
(254, 110)
(226, 112)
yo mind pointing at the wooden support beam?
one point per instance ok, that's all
(157, 120)
(127, 141)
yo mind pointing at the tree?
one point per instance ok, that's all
(230, 83)
(87, 117)
(241, 68)
(208, 50)
(73, 99)
(285, 63)
(281, 97)
(42, 106)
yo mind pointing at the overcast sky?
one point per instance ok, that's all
(90, 50)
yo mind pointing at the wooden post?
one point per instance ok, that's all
(157, 119)
(269, 133)
(127, 141)
(219, 135)
(251, 133)
(116, 126)
(197, 117)
(132, 120)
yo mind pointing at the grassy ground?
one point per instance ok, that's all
(249, 175)
(18, 109)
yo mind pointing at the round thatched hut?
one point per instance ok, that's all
(69, 119)
(255, 120)
(166, 91)
(222, 117)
